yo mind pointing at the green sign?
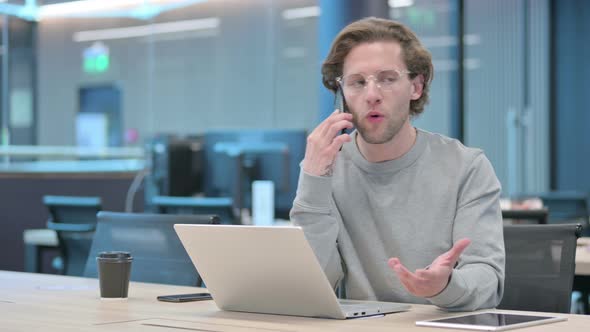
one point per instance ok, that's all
(96, 64)
(96, 58)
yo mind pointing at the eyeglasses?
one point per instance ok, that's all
(385, 80)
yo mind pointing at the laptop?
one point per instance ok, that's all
(270, 270)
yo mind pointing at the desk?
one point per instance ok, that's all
(22, 207)
(582, 277)
(31, 302)
(538, 215)
(583, 257)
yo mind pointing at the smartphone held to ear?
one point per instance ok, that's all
(340, 105)
(339, 102)
(185, 297)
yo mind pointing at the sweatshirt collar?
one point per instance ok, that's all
(394, 165)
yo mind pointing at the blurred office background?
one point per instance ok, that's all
(127, 100)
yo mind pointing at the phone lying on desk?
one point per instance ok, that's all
(185, 297)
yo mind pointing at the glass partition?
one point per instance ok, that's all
(203, 65)
(118, 73)
(434, 21)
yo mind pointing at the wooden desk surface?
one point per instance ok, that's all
(583, 257)
(31, 302)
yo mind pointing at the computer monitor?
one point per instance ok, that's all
(235, 158)
(176, 164)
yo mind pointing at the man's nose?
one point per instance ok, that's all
(373, 92)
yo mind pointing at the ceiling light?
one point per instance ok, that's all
(400, 3)
(302, 12)
(142, 9)
(146, 30)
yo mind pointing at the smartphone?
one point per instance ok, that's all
(185, 297)
(340, 104)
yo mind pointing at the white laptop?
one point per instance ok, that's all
(270, 270)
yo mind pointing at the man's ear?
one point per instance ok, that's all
(417, 86)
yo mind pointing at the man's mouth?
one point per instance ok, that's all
(375, 116)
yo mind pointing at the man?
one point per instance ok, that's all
(395, 213)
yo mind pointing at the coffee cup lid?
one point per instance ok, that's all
(115, 255)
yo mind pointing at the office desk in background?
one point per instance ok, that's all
(583, 257)
(30, 302)
(582, 277)
(535, 216)
(23, 185)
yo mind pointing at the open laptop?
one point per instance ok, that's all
(270, 270)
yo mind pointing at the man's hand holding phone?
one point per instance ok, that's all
(324, 142)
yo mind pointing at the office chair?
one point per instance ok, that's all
(73, 218)
(220, 206)
(158, 254)
(540, 267)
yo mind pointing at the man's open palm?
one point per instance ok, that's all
(430, 281)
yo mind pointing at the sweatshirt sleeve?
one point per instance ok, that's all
(477, 282)
(314, 210)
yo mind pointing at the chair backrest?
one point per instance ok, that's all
(219, 206)
(540, 267)
(158, 254)
(74, 220)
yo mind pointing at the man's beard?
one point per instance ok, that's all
(391, 130)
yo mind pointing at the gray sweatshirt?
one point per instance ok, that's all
(414, 208)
